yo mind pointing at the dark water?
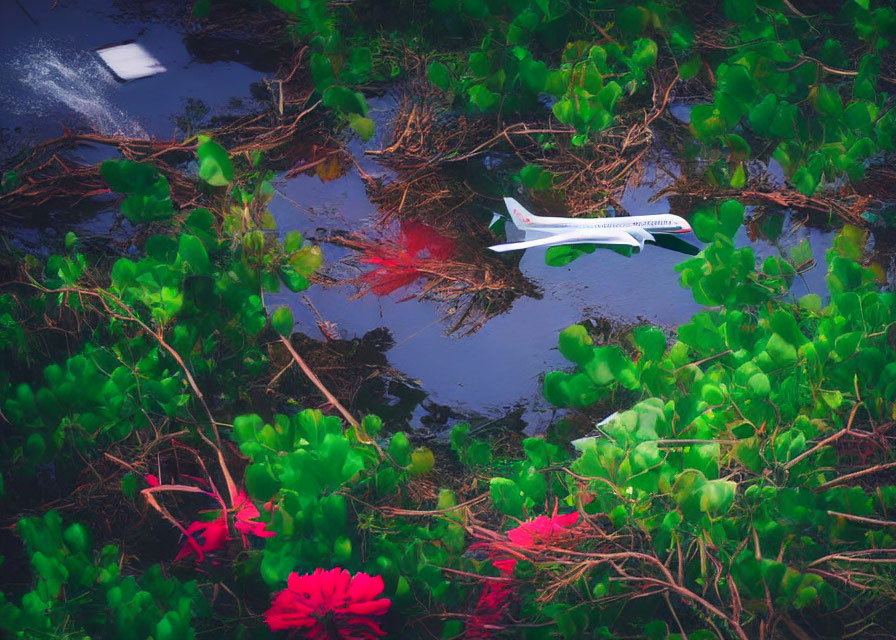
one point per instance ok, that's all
(50, 80)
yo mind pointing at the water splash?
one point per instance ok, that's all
(51, 76)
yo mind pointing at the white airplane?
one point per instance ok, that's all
(632, 231)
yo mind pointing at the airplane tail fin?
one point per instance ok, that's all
(518, 213)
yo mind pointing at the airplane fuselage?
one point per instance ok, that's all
(544, 231)
(654, 224)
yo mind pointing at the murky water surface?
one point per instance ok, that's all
(51, 80)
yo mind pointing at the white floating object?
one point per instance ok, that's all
(130, 61)
(632, 231)
(581, 444)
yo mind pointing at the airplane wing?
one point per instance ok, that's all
(639, 234)
(578, 236)
(674, 243)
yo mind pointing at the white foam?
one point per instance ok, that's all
(51, 76)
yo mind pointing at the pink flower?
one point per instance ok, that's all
(505, 566)
(330, 605)
(151, 480)
(493, 603)
(542, 529)
(400, 266)
(245, 514)
(203, 537)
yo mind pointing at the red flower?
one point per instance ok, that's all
(151, 480)
(542, 529)
(493, 603)
(213, 536)
(330, 605)
(399, 267)
(245, 514)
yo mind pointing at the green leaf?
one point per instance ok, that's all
(77, 538)
(438, 74)
(422, 461)
(482, 97)
(828, 101)
(507, 496)
(400, 449)
(533, 74)
(535, 178)
(650, 341)
(782, 353)
(576, 344)
(344, 100)
(731, 217)
(644, 52)
(215, 166)
(707, 122)
(294, 280)
(282, 321)
(260, 482)
(739, 177)
(192, 253)
(364, 127)
(759, 385)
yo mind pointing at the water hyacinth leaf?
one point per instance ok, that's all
(738, 177)
(576, 344)
(192, 252)
(364, 127)
(632, 20)
(294, 280)
(482, 97)
(760, 385)
(344, 100)
(650, 341)
(707, 122)
(215, 166)
(704, 223)
(644, 52)
(438, 74)
(507, 497)
(307, 260)
(736, 81)
(739, 10)
(535, 178)
(129, 177)
(805, 181)
(828, 101)
(533, 74)
(609, 95)
(282, 321)
(260, 482)
(690, 67)
(35, 448)
(400, 449)
(731, 217)
(422, 461)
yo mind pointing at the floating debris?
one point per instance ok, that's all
(130, 61)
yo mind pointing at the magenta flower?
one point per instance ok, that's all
(203, 537)
(542, 529)
(330, 605)
(245, 518)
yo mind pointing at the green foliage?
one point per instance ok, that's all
(148, 194)
(746, 389)
(201, 288)
(215, 166)
(79, 591)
